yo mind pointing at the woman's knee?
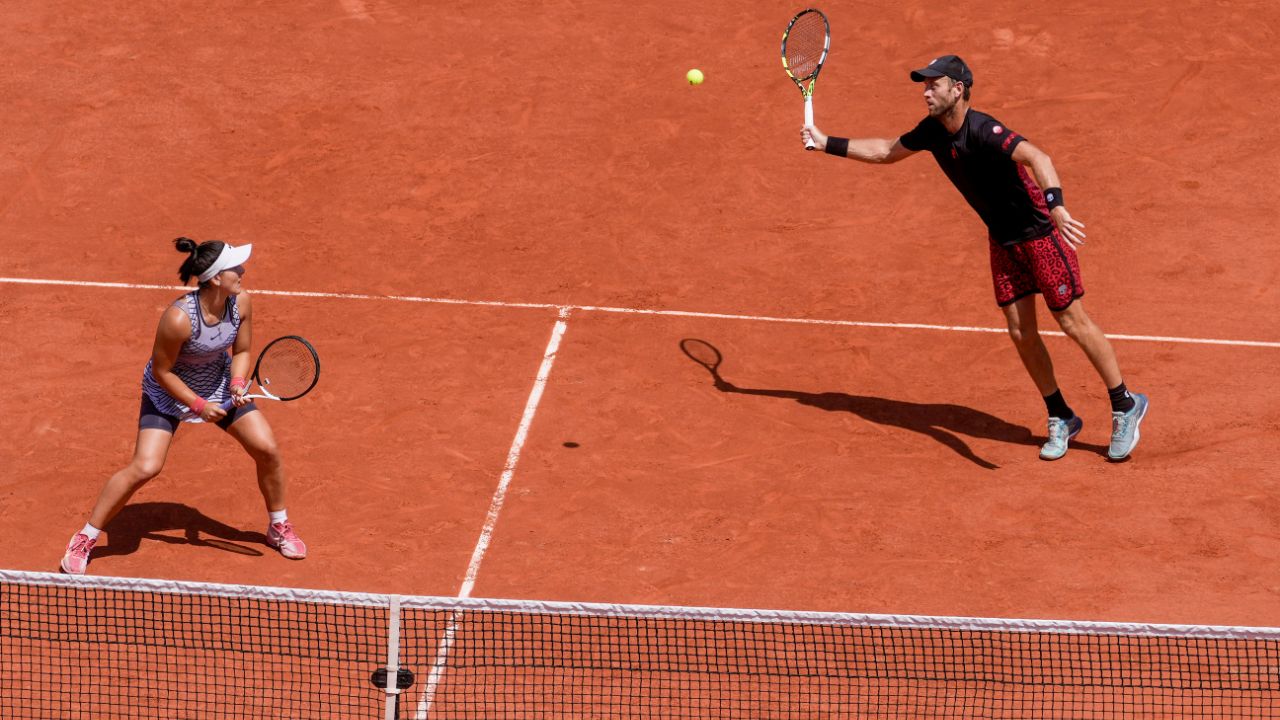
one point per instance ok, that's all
(265, 453)
(148, 455)
(142, 470)
(255, 436)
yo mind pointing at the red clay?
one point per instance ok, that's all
(483, 153)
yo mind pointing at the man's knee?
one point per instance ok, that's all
(1023, 337)
(1075, 323)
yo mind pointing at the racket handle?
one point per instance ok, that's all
(808, 120)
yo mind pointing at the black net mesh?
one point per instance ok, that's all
(96, 648)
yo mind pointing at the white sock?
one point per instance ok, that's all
(278, 516)
(91, 531)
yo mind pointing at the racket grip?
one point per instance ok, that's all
(808, 120)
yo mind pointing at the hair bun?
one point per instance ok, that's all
(185, 244)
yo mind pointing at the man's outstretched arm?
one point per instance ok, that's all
(870, 150)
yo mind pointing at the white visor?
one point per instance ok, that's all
(230, 257)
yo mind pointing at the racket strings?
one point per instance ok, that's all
(806, 40)
(288, 369)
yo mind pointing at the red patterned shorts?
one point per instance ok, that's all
(1045, 265)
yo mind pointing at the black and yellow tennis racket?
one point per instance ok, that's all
(805, 45)
(287, 369)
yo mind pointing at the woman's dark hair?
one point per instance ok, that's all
(200, 256)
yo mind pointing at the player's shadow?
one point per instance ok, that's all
(160, 521)
(942, 422)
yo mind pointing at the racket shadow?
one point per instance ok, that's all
(942, 422)
(158, 520)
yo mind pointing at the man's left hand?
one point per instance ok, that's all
(1068, 227)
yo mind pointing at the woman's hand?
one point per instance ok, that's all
(212, 412)
(239, 388)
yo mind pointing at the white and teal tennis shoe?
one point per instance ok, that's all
(1060, 434)
(1124, 428)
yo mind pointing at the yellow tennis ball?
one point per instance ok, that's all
(694, 76)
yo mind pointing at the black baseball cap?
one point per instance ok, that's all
(949, 65)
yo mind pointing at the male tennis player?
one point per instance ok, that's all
(188, 378)
(1015, 190)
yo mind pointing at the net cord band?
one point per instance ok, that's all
(330, 597)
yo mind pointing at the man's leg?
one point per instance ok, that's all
(1063, 423)
(1080, 327)
(1025, 333)
(1127, 409)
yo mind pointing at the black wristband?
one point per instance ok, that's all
(1053, 197)
(837, 146)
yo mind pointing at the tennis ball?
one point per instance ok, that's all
(694, 76)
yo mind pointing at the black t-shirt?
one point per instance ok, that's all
(978, 160)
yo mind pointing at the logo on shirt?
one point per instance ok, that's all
(997, 130)
(954, 155)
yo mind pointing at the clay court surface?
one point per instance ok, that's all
(550, 160)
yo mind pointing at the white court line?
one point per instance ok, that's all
(513, 455)
(667, 313)
(495, 507)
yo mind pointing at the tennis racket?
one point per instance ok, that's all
(287, 368)
(804, 49)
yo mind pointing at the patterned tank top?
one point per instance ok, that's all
(203, 363)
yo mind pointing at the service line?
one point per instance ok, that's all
(665, 313)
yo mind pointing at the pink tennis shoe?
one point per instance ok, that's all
(282, 537)
(76, 559)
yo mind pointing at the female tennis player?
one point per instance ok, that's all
(188, 378)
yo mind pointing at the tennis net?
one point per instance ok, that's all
(94, 647)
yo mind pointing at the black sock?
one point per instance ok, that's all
(1121, 400)
(1058, 406)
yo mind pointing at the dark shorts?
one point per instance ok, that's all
(150, 417)
(1046, 265)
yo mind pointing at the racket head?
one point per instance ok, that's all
(703, 353)
(805, 45)
(287, 368)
